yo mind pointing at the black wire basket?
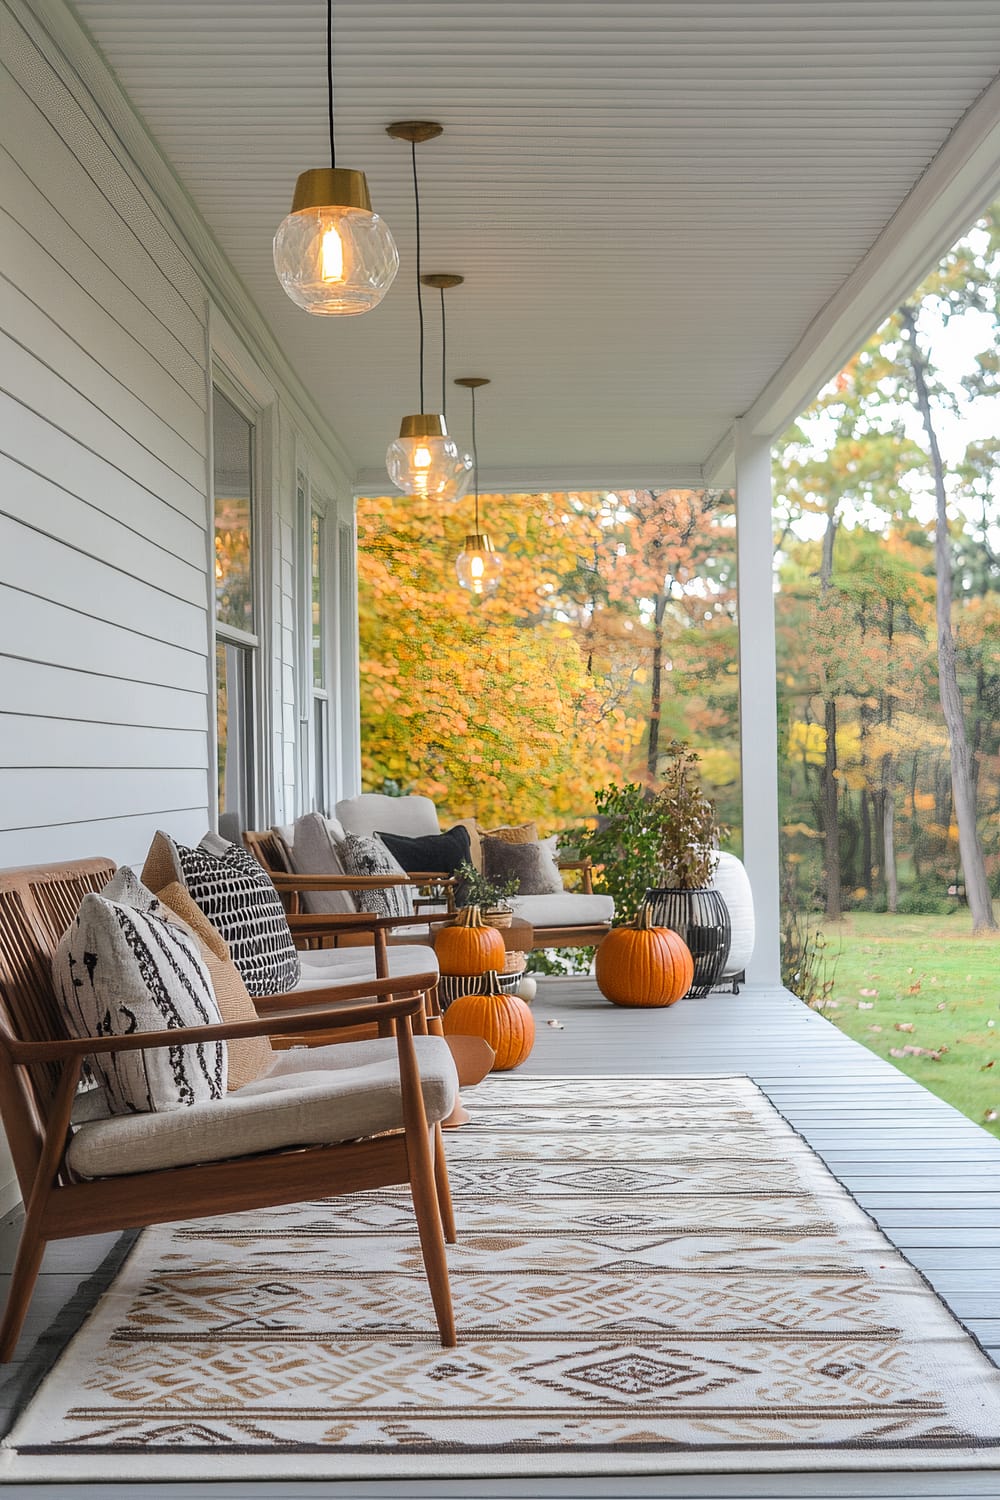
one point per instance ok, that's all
(701, 918)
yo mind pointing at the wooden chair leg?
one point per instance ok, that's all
(428, 1212)
(443, 1188)
(27, 1264)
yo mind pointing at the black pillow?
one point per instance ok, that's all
(440, 853)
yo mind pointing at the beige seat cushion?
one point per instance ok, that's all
(569, 909)
(323, 966)
(311, 1097)
(251, 1056)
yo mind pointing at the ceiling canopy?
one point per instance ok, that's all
(656, 204)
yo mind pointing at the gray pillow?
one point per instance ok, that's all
(371, 857)
(316, 851)
(532, 865)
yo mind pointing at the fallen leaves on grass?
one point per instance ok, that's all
(905, 1026)
(874, 1028)
(866, 1005)
(914, 989)
(989, 1114)
(936, 1053)
(986, 1066)
(868, 992)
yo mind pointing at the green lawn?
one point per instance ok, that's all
(923, 982)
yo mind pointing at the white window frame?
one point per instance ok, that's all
(239, 380)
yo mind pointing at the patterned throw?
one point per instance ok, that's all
(653, 1276)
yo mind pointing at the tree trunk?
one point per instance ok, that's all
(866, 841)
(831, 830)
(973, 866)
(889, 832)
(656, 689)
(914, 819)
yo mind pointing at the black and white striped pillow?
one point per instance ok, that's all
(238, 898)
(361, 856)
(121, 968)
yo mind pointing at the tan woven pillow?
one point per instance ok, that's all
(162, 866)
(184, 906)
(249, 1057)
(521, 833)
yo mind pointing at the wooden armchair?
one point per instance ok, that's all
(40, 1068)
(272, 854)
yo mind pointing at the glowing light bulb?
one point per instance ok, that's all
(425, 461)
(333, 256)
(478, 566)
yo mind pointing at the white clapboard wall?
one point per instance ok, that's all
(105, 350)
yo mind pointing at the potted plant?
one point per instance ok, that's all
(493, 897)
(659, 846)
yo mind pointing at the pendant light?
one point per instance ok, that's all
(424, 460)
(478, 565)
(444, 281)
(333, 256)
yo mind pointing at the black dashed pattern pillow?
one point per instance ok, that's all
(237, 896)
(370, 857)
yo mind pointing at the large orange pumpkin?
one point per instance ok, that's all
(470, 947)
(504, 1021)
(643, 965)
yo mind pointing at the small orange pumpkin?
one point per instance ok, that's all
(504, 1021)
(643, 965)
(469, 947)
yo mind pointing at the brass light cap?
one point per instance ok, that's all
(331, 187)
(442, 280)
(414, 130)
(478, 541)
(472, 382)
(424, 424)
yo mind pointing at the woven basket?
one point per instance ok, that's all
(498, 919)
(515, 963)
(451, 986)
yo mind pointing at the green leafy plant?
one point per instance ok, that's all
(490, 895)
(646, 838)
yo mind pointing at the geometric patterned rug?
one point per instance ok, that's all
(653, 1275)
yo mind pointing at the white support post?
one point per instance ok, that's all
(758, 697)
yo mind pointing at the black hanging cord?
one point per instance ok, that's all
(444, 361)
(475, 453)
(420, 300)
(329, 79)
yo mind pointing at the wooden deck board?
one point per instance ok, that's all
(929, 1177)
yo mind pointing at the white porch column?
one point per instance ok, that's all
(758, 696)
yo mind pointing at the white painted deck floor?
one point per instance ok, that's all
(928, 1176)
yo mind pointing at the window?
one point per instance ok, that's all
(233, 439)
(320, 654)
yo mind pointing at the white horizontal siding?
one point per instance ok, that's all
(104, 708)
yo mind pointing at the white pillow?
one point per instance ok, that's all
(123, 967)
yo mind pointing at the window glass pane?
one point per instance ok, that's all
(233, 666)
(316, 541)
(232, 438)
(320, 754)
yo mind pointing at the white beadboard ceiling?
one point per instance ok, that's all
(651, 200)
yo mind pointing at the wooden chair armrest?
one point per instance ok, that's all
(339, 882)
(297, 1014)
(584, 865)
(268, 1005)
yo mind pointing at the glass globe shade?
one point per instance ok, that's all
(334, 258)
(478, 567)
(426, 462)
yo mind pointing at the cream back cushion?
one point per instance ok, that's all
(412, 817)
